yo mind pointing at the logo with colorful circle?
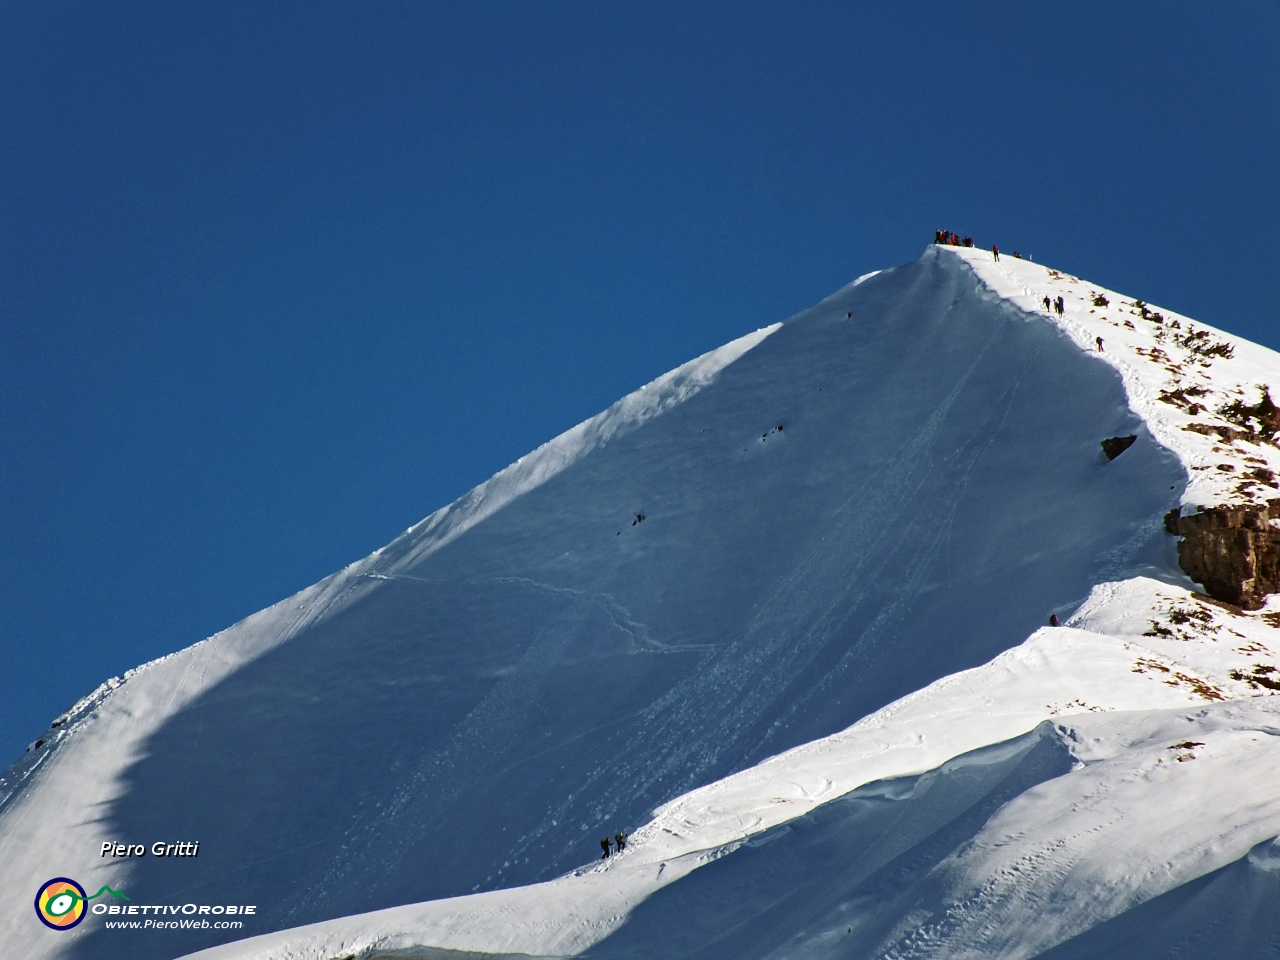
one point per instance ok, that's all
(60, 902)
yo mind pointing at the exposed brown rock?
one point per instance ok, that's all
(1261, 420)
(1228, 434)
(1229, 607)
(1112, 447)
(1233, 551)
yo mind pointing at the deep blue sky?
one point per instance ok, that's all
(278, 280)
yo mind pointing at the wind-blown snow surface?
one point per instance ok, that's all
(848, 521)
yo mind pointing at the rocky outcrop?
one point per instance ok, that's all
(1233, 551)
(1112, 447)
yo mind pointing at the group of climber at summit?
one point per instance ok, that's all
(947, 238)
(1051, 307)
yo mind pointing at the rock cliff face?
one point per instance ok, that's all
(1233, 551)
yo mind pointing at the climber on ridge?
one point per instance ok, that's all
(604, 845)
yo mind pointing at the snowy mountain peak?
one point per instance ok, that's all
(815, 685)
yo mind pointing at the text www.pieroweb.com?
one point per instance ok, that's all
(189, 916)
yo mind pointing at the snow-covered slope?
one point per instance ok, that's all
(1178, 374)
(1139, 693)
(791, 586)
